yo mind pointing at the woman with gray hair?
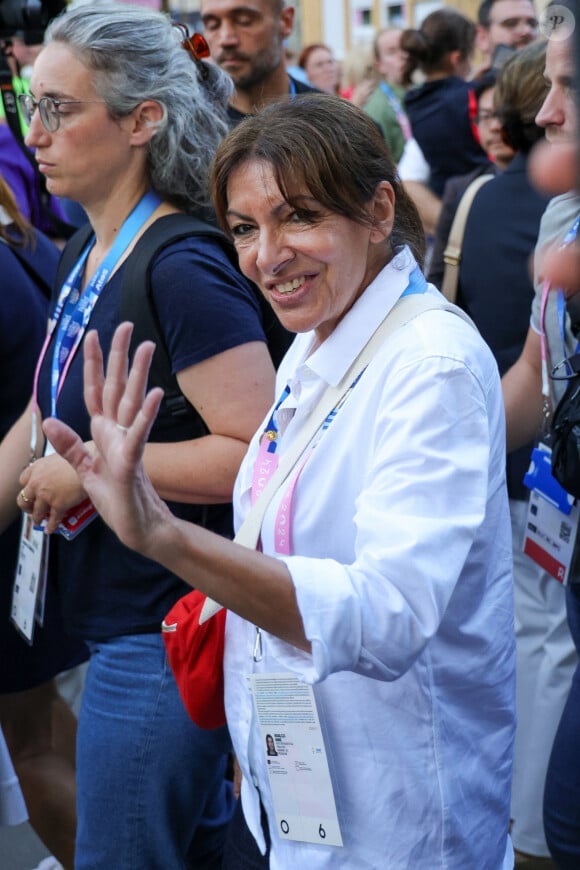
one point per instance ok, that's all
(124, 118)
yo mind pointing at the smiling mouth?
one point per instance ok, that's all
(290, 286)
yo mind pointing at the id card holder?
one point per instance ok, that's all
(77, 518)
(552, 521)
(296, 758)
(30, 580)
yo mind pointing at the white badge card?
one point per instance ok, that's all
(550, 536)
(30, 579)
(296, 758)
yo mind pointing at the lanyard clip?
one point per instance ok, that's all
(258, 646)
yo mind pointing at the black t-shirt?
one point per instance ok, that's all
(235, 116)
(205, 307)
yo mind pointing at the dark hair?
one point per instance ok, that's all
(332, 148)
(519, 93)
(442, 32)
(484, 83)
(484, 13)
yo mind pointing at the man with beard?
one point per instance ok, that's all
(246, 38)
(511, 23)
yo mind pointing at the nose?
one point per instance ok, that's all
(227, 35)
(272, 253)
(37, 132)
(551, 112)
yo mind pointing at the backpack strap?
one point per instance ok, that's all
(71, 252)
(138, 306)
(452, 253)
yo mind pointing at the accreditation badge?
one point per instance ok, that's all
(29, 589)
(296, 759)
(552, 521)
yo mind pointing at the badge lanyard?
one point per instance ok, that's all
(561, 308)
(70, 319)
(267, 459)
(74, 308)
(398, 109)
(552, 520)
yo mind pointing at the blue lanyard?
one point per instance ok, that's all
(292, 87)
(73, 308)
(417, 284)
(391, 96)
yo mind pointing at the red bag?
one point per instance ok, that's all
(196, 654)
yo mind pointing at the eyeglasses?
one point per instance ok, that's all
(485, 117)
(48, 109)
(196, 46)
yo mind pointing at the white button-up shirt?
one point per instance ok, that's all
(401, 562)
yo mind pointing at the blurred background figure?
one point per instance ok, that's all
(251, 49)
(321, 68)
(359, 75)
(499, 153)
(385, 105)
(501, 25)
(439, 109)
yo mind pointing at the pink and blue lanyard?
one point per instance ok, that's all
(561, 309)
(74, 307)
(267, 459)
(398, 110)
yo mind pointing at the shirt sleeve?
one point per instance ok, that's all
(205, 305)
(421, 506)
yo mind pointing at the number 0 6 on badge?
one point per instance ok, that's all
(296, 757)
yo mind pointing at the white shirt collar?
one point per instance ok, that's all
(331, 360)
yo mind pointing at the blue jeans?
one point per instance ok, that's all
(151, 791)
(562, 791)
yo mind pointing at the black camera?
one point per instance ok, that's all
(28, 18)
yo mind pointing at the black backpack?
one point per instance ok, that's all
(137, 303)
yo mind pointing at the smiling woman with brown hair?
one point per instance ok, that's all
(387, 669)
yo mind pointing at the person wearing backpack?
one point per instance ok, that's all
(124, 119)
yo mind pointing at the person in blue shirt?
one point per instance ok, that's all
(37, 722)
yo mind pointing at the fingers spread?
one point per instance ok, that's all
(117, 369)
(94, 377)
(135, 390)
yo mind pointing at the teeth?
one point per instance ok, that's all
(289, 286)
